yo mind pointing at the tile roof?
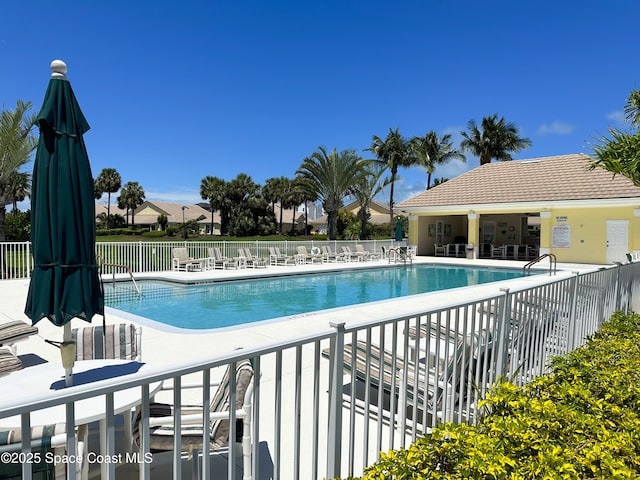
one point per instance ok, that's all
(173, 211)
(557, 178)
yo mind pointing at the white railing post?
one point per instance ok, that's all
(616, 295)
(571, 335)
(334, 435)
(502, 332)
(141, 266)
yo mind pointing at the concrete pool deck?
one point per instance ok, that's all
(162, 348)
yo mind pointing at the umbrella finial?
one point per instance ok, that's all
(58, 69)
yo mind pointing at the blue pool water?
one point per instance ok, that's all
(224, 304)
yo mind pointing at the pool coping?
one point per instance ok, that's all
(150, 322)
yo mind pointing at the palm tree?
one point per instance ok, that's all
(132, 196)
(620, 152)
(19, 188)
(495, 139)
(632, 109)
(296, 197)
(16, 146)
(240, 192)
(283, 192)
(109, 181)
(270, 192)
(213, 189)
(432, 150)
(331, 177)
(367, 187)
(307, 195)
(394, 151)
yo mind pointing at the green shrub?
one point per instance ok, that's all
(578, 422)
(154, 234)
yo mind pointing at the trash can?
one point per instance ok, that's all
(470, 251)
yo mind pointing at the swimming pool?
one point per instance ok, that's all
(229, 303)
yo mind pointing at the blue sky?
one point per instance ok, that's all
(176, 91)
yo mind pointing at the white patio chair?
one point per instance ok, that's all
(180, 260)
(161, 421)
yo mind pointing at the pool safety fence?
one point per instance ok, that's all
(326, 404)
(16, 259)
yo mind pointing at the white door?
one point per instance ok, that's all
(617, 240)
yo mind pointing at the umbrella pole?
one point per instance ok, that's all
(68, 352)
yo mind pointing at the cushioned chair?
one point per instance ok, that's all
(442, 386)
(329, 256)
(278, 258)
(8, 362)
(123, 341)
(350, 255)
(119, 341)
(306, 257)
(252, 260)
(161, 421)
(217, 260)
(15, 331)
(180, 260)
(46, 441)
(366, 253)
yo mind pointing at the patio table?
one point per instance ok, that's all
(40, 380)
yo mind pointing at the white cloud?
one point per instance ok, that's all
(555, 128)
(617, 117)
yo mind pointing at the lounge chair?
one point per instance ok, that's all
(8, 362)
(161, 421)
(15, 331)
(277, 258)
(304, 256)
(443, 386)
(182, 261)
(122, 341)
(46, 442)
(252, 260)
(330, 256)
(217, 260)
(350, 255)
(366, 254)
(440, 250)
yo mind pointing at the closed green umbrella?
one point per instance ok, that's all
(65, 282)
(398, 229)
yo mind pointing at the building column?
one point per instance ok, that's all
(635, 232)
(413, 233)
(473, 234)
(545, 233)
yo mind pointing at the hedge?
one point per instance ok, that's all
(578, 422)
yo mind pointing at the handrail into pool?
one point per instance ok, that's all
(318, 419)
(123, 267)
(553, 262)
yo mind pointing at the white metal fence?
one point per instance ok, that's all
(326, 404)
(16, 260)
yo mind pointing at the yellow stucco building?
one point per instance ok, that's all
(525, 208)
